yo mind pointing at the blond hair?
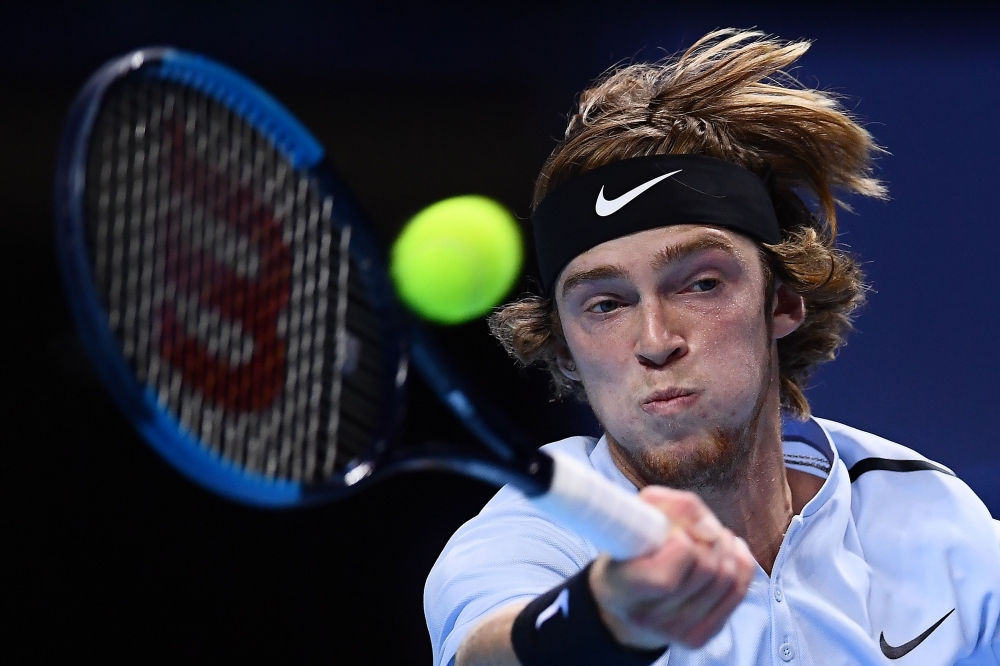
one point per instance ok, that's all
(729, 96)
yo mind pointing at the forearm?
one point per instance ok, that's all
(488, 643)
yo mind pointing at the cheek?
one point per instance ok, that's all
(610, 373)
(734, 335)
(603, 351)
(731, 351)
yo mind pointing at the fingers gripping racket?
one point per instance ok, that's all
(238, 308)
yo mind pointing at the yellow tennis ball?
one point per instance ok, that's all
(457, 258)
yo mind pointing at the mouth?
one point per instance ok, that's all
(668, 402)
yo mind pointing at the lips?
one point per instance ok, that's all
(669, 401)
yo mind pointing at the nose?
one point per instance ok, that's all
(659, 341)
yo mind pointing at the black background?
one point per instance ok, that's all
(114, 554)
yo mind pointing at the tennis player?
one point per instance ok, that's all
(688, 293)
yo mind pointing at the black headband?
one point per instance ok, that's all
(642, 193)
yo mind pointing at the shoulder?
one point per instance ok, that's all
(510, 501)
(510, 514)
(893, 472)
(923, 533)
(857, 446)
(896, 490)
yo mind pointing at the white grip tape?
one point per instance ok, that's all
(613, 519)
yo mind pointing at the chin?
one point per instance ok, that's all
(680, 432)
(690, 460)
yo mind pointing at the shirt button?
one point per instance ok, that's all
(786, 652)
(778, 596)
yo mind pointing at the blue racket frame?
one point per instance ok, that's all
(141, 404)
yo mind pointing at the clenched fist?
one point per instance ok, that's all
(684, 591)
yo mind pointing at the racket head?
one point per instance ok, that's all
(224, 283)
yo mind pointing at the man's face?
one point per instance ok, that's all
(667, 331)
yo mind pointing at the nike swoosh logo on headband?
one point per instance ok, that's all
(603, 207)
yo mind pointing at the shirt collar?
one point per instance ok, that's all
(812, 433)
(602, 461)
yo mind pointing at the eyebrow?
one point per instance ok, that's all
(663, 257)
(608, 272)
(673, 253)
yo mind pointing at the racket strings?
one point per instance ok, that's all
(229, 290)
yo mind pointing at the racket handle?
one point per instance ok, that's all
(610, 517)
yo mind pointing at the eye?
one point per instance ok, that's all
(705, 284)
(604, 307)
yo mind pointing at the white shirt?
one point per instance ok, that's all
(889, 545)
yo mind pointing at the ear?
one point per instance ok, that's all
(788, 311)
(566, 364)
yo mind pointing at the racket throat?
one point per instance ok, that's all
(532, 475)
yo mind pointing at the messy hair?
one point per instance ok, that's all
(731, 97)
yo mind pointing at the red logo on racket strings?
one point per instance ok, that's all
(246, 307)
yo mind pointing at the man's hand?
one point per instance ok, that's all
(684, 591)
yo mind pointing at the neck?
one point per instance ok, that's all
(759, 506)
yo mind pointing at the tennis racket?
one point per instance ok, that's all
(237, 306)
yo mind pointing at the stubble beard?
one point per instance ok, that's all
(719, 463)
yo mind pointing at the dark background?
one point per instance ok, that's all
(112, 553)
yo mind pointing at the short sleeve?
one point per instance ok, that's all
(509, 552)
